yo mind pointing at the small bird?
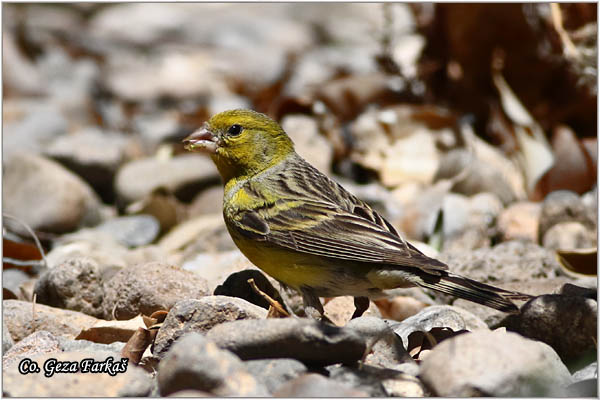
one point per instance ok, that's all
(307, 231)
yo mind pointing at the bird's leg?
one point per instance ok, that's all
(312, 304)
(361, 305)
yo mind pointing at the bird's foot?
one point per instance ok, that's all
(313, 307)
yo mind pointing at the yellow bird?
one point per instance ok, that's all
(307, 231)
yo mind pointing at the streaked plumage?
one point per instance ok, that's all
(306, 230)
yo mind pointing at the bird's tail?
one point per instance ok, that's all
(468, 289)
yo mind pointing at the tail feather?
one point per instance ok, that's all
(468, 289)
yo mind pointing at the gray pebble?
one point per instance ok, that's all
(74, 284)
(200, 315)
(149, 287)
(68, 202)
(196, 363)
(485, 363)
(272, 373)
(563, 206)
(567, 323)
(315, 385)
(309, 341)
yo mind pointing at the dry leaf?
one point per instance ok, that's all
(590, 145)
(420, 342)
(137, 344)
(107, 332)
(399, 143)
(159, 315)
(511, 104)
(536, 154)
(573, 169)
(19, 251)
(346, 97)
(434, 117)
(489, 154)
(156, 319)
(579, 261)
(149, 321)
(8, 294)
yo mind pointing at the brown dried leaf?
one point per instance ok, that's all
(579, 261)
(501, 130)
(441, 334)
(19, 251)
(149, 321)
(8, 294)
(434, 117)
(159, 315)
(420, 342)
(590, 145)
(155, 321)
(107, 332)
(416, 340)
(137, 344)
(347, 97)
(536, 155)
(573, 169)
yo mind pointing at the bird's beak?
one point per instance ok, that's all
(201, 140)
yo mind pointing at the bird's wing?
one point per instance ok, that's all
(324, 229)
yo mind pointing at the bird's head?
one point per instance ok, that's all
(241, 143)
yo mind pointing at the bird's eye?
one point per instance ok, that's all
(234, 130)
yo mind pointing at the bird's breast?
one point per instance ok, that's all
(292, 268)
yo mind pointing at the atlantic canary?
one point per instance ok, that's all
(307, 231)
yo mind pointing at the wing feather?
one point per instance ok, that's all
(314, 215)
(347, 237)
